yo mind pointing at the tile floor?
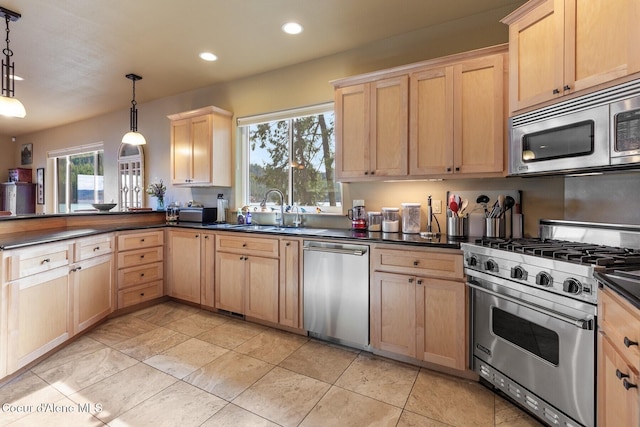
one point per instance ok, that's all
(175, 365)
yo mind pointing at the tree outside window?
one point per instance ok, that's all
(297, 156)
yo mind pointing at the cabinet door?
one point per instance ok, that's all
(207, 263)
(181, 159)
(431, 136)
(261, 292)
(93, 291)
(201, 146)
(536, 55)
(389, 127)
(230, 278)
(352, 115)
(479, 115)
(184, 265)
(617, 405)
(600, 41)
(441, 322)
(39, 316)
(393, 313)
(290, 291)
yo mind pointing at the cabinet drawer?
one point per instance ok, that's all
(145, 239)
(141, 293)
(140, 257)
(621, 323)
(91, 247)
(33, 260)
(247, 246)
(422, 263)
(133, 276)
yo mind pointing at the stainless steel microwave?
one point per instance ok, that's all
(597, 131)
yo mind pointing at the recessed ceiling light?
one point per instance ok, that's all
(208, 56)
(292, 28)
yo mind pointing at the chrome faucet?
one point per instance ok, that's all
(264, 203)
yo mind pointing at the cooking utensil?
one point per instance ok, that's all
(463, 206)
(483, 200)
(509, 202)
(453, 206)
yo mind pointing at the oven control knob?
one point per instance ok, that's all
(519, 273)
(472, 261)
(544, 279)
(572, 286)
(491, 265)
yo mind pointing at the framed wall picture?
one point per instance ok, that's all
(26, 154)
(40, 186)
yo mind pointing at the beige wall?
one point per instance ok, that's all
(307, 84)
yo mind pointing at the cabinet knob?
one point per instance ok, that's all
(288, 244)
(419, 281)
(197, 235)
(373, 172)
(141, 240)
(628, 385)
(629, 343)
(416, 263)
(366, 172)
(141, 256)
(141, 274)
(458, 169)
(46, 260)
(556, 91)
(566, 87)
(244, 245)
(411, 280)
(97, 248)
(206, 237)
(448, 169)
(141, 294)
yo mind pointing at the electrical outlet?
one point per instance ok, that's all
(436, 206)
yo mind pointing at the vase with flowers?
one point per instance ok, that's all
(157, 189)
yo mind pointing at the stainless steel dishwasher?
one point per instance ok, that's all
(336, 292)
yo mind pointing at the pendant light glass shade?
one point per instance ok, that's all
(133, 137)
(11, 107)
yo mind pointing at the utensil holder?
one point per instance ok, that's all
(457, 226)
(495, 227)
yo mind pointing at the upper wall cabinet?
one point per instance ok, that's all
(371, 129)
(201, 148)
(457, 118)
(558, 47)
(438, 118)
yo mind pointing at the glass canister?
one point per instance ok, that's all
(173, 212)
(411, 218)
(375, 221)
(390, 220)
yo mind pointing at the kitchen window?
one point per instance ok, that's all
(293, 151)
(78, 177)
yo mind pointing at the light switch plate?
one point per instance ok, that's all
(436, 206)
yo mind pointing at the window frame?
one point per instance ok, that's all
(243, 124)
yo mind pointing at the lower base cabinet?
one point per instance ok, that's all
(93, 291)
(419, 316)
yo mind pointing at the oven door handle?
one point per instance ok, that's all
(580, 323)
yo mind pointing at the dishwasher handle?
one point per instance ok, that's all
(360, 251)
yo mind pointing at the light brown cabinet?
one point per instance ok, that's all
(457, 118)
(190, 256)
(418, 306)
(93, 281)
(558, 47)
(290, 284)
(140, 275)
(372, 129)
(201, 147)
(618, 361)
(436, 118)
(247, 276)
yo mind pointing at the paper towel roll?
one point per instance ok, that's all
(517, 226)
(476, 224)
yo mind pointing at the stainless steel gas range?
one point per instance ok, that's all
(533, 311)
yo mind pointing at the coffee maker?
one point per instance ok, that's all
(358, 215)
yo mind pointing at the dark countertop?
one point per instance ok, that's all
(626, 287)
(439, 241)
(23, 239)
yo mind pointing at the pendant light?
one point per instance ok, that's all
(9, 106)
(133, 137)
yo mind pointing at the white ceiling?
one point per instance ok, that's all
(74, 54)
